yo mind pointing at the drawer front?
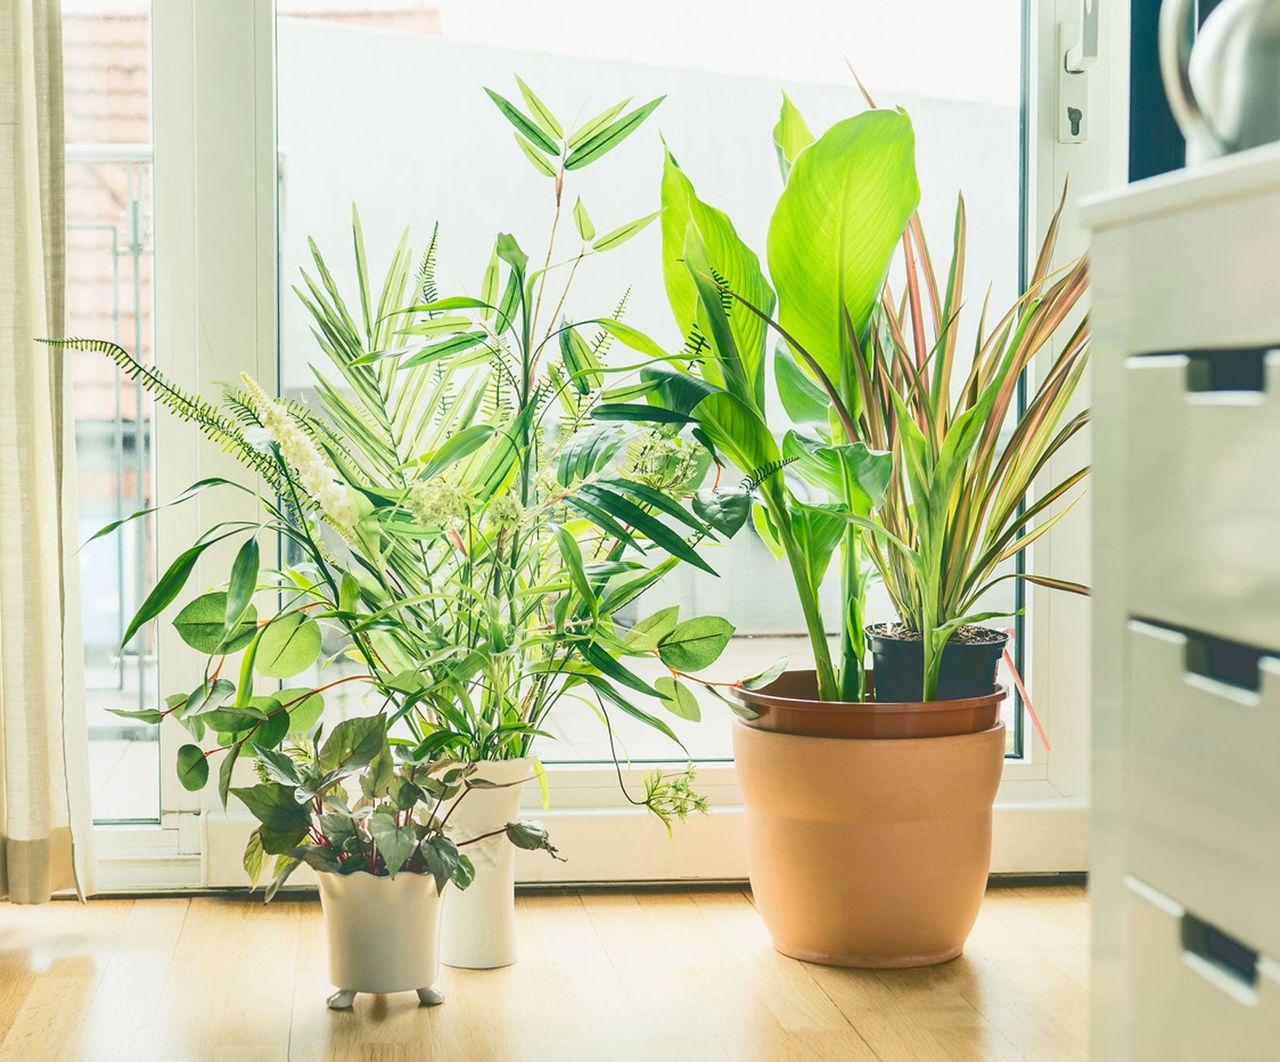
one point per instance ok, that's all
(1201, 273)
(1205, 782)
(1195, 994)
(1204, 504)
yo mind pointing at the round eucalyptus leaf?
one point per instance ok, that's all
(193, 768)
(272, 731)
(695, 643)
(678, 699)
(202, 625)
(231, 720)
(289, 645)
(306, 712)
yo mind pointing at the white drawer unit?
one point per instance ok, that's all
(1205, 818)
(1185, 836)
(1199, 994)
(1204, 450)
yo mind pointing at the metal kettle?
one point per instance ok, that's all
(1224, 91)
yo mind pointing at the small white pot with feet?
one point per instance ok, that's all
(479, 930)
(384, 935)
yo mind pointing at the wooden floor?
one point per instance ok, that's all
(667, 975)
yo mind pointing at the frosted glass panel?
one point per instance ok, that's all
(383, 105)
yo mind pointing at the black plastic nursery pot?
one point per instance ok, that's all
(969, 662)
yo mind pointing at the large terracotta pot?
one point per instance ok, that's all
(384, 935)
(479, 930)
(869, 853)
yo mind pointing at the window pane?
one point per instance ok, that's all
(381, 103)
(108, 116)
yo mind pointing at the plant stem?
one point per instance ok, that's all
(828, 689)
(852, 645)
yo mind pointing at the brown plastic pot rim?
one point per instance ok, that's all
(903, 741)
(763, 697)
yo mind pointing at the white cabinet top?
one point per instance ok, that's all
(1234, 176)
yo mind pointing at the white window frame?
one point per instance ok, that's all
(216, 315)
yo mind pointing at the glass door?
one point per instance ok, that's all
(273, 119)
(107, 63)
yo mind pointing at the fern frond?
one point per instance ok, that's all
(602, 341)
(751, 482)
(216, 424)
(427, 290)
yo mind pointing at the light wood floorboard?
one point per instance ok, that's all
(614, 976)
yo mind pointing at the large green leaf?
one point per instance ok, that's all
(289, 645)
(817, 530)
(623, 233)
(609, 137)
(193, 767)
(582, 220)
(791, 135)
(733, 263)
(395, 842)
(851, 473)
(628, 512)
(678, 699)
(202, 623)
(273, 804)
(243, 581)
(354, 742)
(803, 399)
(167, 587)
(540, 111)
(579, 361)
(695, 643)
(593, 125)
(737, 430)
(458, 446)
(523, 123)
(836, 226)
(304, 708)
(724, 510)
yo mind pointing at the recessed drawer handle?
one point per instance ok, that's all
(1227, 370)
(1219, 660)
(1220, 950)
(1236, 373)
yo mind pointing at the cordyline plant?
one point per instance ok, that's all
(463, 511)
(396, 821)
(912, 478)
(965, 463)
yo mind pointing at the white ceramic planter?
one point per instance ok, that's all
(384, 935)
(479, 929)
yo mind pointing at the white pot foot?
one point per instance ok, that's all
(341, 1000)
(429, 997)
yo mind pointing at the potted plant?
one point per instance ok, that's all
(383, 851)
(868, 799)
(465, 509)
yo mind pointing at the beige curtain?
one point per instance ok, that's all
(44, 815)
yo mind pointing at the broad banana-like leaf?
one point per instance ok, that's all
(804, 401)
(732, 260)
(738, 431)
(817, 530)
(835, 228)
(851, 474)
(791, 135)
